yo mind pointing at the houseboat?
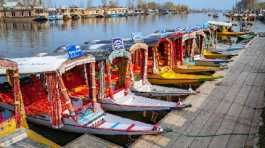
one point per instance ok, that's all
(138, 12)
(54, 14)
(75, 12)
(65, 12)
(16, 12)
(92, 13)
(151, 12)
(14, 128)
(52, 95)
(115, 12)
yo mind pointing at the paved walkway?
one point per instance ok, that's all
(223, 106)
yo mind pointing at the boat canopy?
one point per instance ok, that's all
(220, 23)
(30, 65)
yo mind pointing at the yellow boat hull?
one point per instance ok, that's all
(169, 77)
(213, 55)
(192, 69)
(8, 127)
(227, 33)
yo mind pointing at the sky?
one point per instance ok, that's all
(196, 4)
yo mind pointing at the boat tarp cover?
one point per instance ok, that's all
(29, 65)
(220, 23)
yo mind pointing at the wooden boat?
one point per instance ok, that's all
(229, 48)
(14, 128)
(216, 55)
(141, 85)
(225, 29)
(167, 76)
(50, 101)
(115, 65)
(244, 38)
(192, 43)
(200, 60)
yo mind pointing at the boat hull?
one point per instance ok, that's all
(216, 55)
(70, 127)
(190, 69)
(169, 77)
(131, 102)
(148, 90)
(230, 33)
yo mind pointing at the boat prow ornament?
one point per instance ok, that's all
(138, 37)
(118, 50)
(118, 44)
(74, 51)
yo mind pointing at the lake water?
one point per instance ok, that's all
(27, 39)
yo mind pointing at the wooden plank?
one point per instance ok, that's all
(90, 141)
(226, 107)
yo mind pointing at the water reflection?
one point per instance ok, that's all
(27, 39)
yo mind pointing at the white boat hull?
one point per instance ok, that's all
(131, 102)
(149, 90)
(112, 125)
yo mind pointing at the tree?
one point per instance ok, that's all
(141, 4)
(169, 5)
(260, 5)
(152, 5)
(113, 3)
(130, 4)
(104, 3)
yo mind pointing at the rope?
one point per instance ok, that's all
(168, 130)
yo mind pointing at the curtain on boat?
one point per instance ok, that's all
(54, 98)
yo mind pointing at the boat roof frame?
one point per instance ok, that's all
(60, 64)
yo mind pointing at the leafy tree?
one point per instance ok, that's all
(130, 4)
(141, 4)
(260, 5)
(169, 5)
(152, 5)
(113, 3)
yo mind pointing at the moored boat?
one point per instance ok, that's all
(50, 100)
(225, 29)
(141, 85)
(245, 38)
(115, 65)
(14, 128)
(161, 65)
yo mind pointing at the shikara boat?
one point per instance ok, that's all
(162, 66)
(115, 78)
(53, 96)
(14, 128)
(192, 46)
(225, 29)
(141, 85)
